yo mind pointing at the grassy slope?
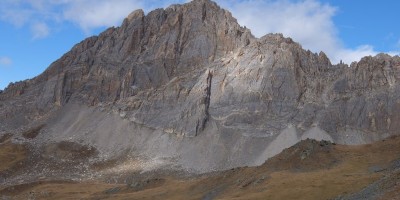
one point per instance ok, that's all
(10, 154)
(309, 170)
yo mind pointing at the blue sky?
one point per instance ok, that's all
(34, 33)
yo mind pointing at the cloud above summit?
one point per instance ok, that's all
(308, 22)
(91, 14)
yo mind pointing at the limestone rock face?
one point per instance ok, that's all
(188, 83)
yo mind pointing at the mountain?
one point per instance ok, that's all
(187, 88)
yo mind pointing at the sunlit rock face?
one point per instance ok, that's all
(187, 87)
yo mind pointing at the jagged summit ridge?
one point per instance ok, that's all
(189, 84)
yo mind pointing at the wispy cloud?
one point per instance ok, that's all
(308, 22)
(91, 14)
(40, 30)
(10, 11)
(5, 61)
(87, 14)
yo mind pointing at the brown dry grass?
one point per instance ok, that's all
(5, 137)
(336, 170)
(11, 155)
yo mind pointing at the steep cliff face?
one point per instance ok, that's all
(189, 84)
(364, 101)
(145, 53)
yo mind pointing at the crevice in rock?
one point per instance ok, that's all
(206, 99)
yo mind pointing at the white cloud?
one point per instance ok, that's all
(350, 55)
(91, 14)
(5, 61)
(12, 12)
(87, 14)
(39, 4)
(308, 22)
(40, 30)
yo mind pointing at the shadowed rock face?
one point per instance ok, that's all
(188, 83)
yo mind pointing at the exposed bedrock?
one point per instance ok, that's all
(189, 86)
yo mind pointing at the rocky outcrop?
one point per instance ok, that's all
(363, 100)
(189, 83)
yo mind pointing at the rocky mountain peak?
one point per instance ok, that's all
(189, 83)
(135, 15)
(146, 51)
